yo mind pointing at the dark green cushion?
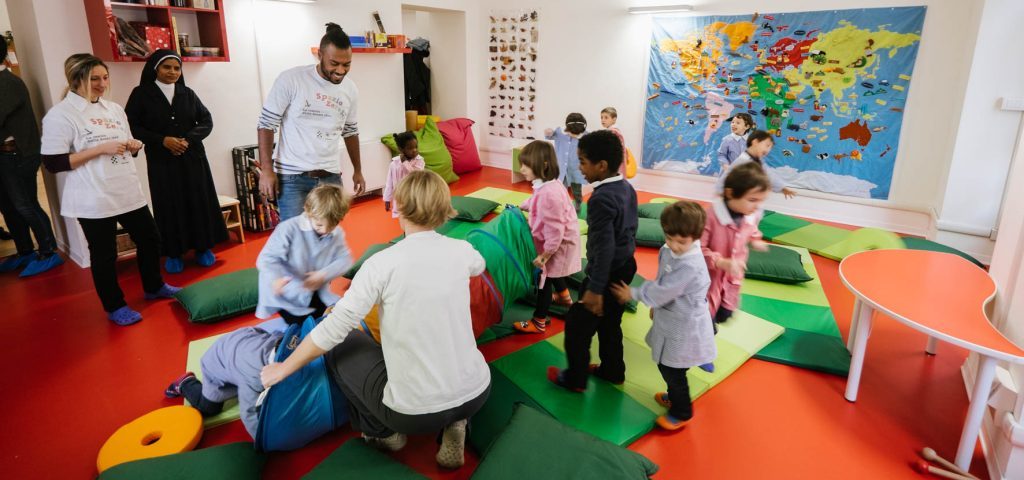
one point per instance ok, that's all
(778, 264)
(355, 459)
(431, 145)
(651, 210)
(372, 249)
(234, 460)
(572, 453)
(649, 233)
(220, 297)
(472, 209)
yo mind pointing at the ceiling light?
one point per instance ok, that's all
(660, 9)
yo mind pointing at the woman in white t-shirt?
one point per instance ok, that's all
(88, 138)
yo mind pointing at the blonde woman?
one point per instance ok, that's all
(426, 374)
(88, 141)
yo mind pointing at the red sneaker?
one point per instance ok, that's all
(555, 376)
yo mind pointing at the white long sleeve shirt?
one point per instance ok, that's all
(422, 287)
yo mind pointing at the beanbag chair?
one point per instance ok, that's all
(649, 233)
(458, 137)
(234, 460)
(432, 149)
(778, 264)
(220, 297)
(357, 460)
(472, 209)
(651, 210)
(370, 251)
(577, 454)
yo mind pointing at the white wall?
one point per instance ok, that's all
(5, 20)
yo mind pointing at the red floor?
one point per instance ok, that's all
(70, 378)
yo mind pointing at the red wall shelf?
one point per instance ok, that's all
(380, 50)
(209, 24)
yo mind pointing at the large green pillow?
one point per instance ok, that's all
(472, 209)
(778, 264)
(651, 210)
(432, 149)
(234, 460)
(220, 297)
(649, 233)
(355, 459)
(574, 454)
(370, 251)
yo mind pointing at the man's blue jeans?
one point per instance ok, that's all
(294, 189)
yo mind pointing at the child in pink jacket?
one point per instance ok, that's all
(731, 225)
(555, 229)
(408, 160)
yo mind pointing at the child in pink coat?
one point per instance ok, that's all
(408, 160)
(731, 225)
(555, 229)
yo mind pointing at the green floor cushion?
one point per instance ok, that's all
(355, 459)
(914, 243)
(472, 209)
(572, 453)
(810, 292)
(861, 240)
(431, 145)
(370, 251)
(774, 224)
(234, 460)
(501, 196)
(649, 233)
(651, 210)
(493, 417)
(813, 351)
(778, 264)
(220, 297)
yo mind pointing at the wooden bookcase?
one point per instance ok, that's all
(205, 27)
(258, 213)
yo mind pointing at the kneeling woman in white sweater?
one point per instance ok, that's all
(426, 374)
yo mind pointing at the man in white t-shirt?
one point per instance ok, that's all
(314, 108)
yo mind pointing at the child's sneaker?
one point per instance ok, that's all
(205, 258)
(124, 316)
(670, 423)
(452, 453)
(708, 367)
(594, 368)
(556, 376)
(166, 291)
(536, 325)
(662, 399)
(561, 298)
(174, 389)
(394, 442)
(174, 265)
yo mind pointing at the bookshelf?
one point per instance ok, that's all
(204, 26)
(258, 213)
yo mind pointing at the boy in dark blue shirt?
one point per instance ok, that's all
(611, 241)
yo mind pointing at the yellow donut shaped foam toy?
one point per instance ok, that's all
(161, 432)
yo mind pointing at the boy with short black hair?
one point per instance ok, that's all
(611, 241)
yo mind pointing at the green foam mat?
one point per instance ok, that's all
(774, 224)
(356, 459)
(196, 349)
(814, 237)
(501, 196)
(602, 410)
(792, 315)
(809, 350)
(915, 243)
(493, 417)
(810, 292)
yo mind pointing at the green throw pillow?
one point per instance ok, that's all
(372, 249)
(356, 459)
(472, 209)
(649, 233)
(221, 297)
(651, 210)
(576, 454)
(432, 149)
(778, 264)
(234, 460)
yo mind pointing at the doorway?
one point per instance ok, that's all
(446, 32)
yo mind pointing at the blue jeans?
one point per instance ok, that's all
(294, 189)
(20, 205)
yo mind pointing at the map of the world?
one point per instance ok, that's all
(830, 86)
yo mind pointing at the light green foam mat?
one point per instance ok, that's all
(792, 315)
(774, 224)
(501, 196)
(196, 349)
(814, 237)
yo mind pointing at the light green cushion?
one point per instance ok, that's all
(472, 209)
(571, 453)
(220, 297)
(778, 264)
(431, 145)
(861, 240)
(651, 210)
(370, 251)
(649, 233)
(234, 460)
(355, 459)
(663, 200)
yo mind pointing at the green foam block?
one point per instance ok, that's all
(493, 417)
(774, 224)
(915, 243)
(809, 350)
(196, 349)
(792, 315)
(814, 237)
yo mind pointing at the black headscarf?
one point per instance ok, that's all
(154, 61)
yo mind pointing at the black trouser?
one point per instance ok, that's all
(678, 392)
(192, 390)
(544, 295)
(357, 367)
(101, 235)
(580, 326)
(315, 303)
(20, 207)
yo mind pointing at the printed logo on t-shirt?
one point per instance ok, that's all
(105, 130)
(324, 106)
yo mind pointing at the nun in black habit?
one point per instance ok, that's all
(171, 120)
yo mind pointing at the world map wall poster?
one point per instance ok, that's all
(830, 86)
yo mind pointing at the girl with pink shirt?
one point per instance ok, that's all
(555, 229)
(731, 225)
(408, 160)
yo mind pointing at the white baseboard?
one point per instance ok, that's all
(80, 260)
